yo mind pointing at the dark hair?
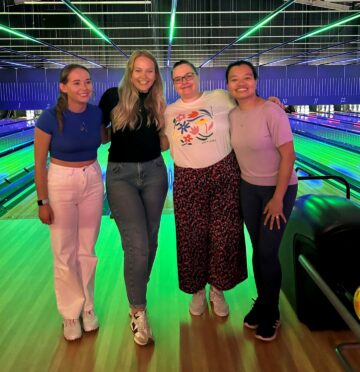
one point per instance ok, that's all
(62, 101)
(183, 62)
(239, 63)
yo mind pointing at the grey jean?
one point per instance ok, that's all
(136, 193)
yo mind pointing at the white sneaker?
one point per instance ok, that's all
(90, 321)
(198, 303)
(141, 329)
(217, 299)
(72, 329)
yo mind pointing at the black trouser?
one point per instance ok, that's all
(265, 242)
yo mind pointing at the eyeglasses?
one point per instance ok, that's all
(187, 77)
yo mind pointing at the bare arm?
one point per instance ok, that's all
(105, 134)
(41, 145)
(275, 205)
(164, 142)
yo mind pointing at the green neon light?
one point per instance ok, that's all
(330, 26)
(265, 20)
(19, 34)
(172, 27)
(87, 21)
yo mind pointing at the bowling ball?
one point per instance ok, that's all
(357, 302)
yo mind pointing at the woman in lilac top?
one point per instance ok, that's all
(263, 143)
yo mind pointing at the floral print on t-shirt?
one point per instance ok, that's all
(193, 126)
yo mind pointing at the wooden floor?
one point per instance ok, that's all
(31, 334)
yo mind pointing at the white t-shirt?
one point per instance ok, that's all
(255, 136)
(199, 131)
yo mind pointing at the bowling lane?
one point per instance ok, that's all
(331, 159)
(25, 205)
(355, 115)
(16, 139)
(11, 121)
(345, 139)
(328, 122)
(16, 127)
(16, 161)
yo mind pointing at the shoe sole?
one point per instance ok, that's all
(150, 341)
(221, 315)
(251, 326)
(72, 339)
(91, 329)
(196, 314)
(268, 339)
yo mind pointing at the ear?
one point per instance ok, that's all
(63, 87)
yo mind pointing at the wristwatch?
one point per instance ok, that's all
(42, 202)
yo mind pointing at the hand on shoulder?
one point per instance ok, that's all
(276, 101)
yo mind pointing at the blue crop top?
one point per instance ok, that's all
(81, 136)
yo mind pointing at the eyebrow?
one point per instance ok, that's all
(189, 72)
(78, 80)
(232, 74)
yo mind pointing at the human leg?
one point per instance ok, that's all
(154, 187)
(123, 184)
(265, 313)
(63, 196)
(191, 214)
(268, 249)
(191, 211)
(90, 211)
(253, 206)
(63, 192)
(227, 253)
(127, 208)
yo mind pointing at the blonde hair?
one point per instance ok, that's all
(62, 101)
(126, 112)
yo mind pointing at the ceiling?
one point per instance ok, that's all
(205, 32)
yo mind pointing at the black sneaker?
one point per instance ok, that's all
(252, 319)
(267, 329)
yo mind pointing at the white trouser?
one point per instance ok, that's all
(76, 198)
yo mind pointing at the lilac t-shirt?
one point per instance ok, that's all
(256, 135)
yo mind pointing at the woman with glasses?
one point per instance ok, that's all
(209, 224)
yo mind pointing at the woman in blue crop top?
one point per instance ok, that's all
(70, 195)
(136, 177)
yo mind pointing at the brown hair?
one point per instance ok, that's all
(62, 101)
(183, 62)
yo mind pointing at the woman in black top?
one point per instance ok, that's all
(136, 178)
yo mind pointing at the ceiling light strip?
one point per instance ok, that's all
(40, 2)
(342, 61)
(330, 26)
(310, 52)
(309, 34)
(171, 30)
(19, 34)
(33, 39)
(92, 26)
(267, 19)
(12, 51)
(15, 64)
(326, 57)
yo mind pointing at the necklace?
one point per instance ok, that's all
(83, 127)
